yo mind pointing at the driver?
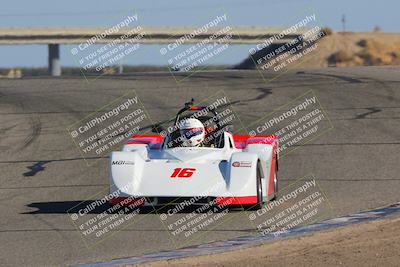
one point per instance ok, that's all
(192, 132)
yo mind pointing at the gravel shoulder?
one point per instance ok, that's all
(369, 244)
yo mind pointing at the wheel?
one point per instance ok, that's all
(275, 186)
(259, 191)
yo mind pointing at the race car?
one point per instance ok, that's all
(197, 160)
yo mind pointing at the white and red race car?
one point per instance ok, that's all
(233, 170)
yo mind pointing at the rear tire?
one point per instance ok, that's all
(275, 186)
(258, 190)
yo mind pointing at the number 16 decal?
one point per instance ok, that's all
(183, 173)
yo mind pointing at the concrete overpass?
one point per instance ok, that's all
(54, 37)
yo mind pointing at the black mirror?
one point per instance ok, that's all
(157, 128)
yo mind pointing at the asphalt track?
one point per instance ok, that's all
(43, 174)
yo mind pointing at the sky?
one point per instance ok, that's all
(361, 15)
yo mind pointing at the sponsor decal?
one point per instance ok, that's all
(122, 162)
(242, 164)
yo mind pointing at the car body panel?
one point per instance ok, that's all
(144, 168)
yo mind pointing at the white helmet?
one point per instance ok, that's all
(192, 132)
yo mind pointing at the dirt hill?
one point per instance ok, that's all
(348, 49)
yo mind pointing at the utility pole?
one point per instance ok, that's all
(344, 22)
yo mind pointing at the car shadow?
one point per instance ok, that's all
(69, 207)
